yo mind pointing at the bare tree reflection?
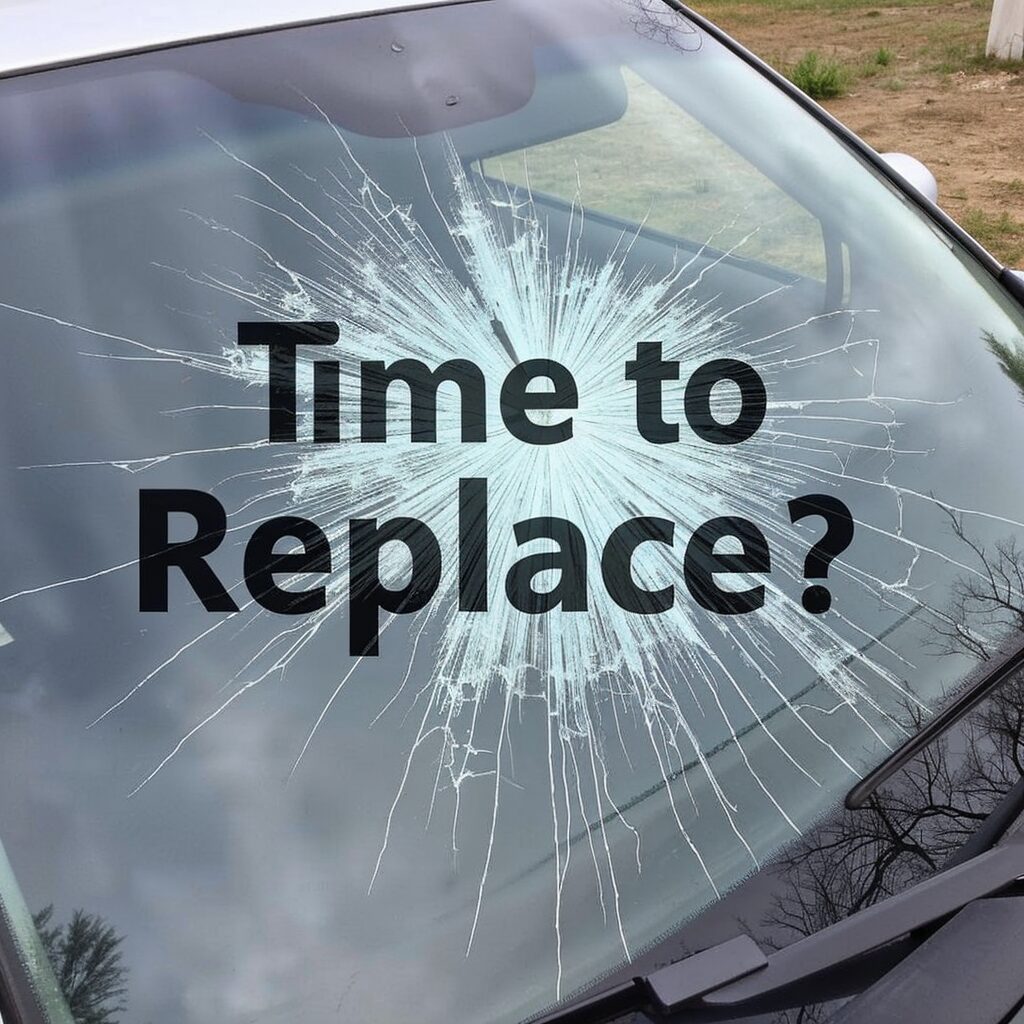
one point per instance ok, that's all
(919, 819)
(654, 20)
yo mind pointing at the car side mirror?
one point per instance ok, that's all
(915, 173)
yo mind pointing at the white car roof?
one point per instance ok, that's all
(38, 34)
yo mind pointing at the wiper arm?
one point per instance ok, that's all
(736, 979)
(972, 696)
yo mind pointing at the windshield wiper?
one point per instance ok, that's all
(736, 979)
(991, 679)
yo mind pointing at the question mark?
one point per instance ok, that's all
(837, 539)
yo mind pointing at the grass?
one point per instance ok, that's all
(969, 57)
(873, 66)
(824, 6)
(733, 12)
(999, 233)
(865, 56)
(819, 77)
(738, 16)
(946, 45)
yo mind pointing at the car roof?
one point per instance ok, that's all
(40, 34)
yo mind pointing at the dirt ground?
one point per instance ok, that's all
(936, 97)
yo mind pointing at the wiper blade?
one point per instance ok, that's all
(703, 973)
(973, 695)
(923, 904)
(744, 981)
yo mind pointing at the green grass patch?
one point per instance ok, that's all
(969, 57)
(1001, 234)
(875, 64)
(819, 77)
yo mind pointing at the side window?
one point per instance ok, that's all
(661, 168)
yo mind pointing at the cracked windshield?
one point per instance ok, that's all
(479, 483)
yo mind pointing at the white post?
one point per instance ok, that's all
(1006, 30)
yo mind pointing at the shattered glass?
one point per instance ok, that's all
(500, 807)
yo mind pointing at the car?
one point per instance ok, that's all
(510, 515)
